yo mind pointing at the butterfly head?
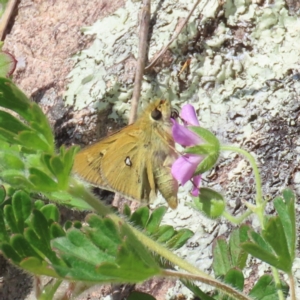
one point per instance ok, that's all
(160, 111)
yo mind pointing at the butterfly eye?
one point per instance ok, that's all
(156, 114)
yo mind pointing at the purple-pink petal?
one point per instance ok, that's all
(188, 114)
(184, 167)
(196, 185)
(183, 136)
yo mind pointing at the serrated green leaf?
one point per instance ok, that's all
(11, 219)
(103, 233)
(22, 247)
(164, 233)
(51, 212)
(275, 236)
(21, 204)
(10, 123)
(155, 219)
(42, 246)
(12, 98)
(238, 255)
(40, 226)
(265, 289)
(221, 258)
(140, 217)
(11, 160)
(16, 179)
(210, 202)
(58, 170)
(179, 239)
(63, 197)
(38, 267)
(32, 140)
(10, 253)
(42, 181)
(136, 247)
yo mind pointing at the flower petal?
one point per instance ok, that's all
(184, 136)
(188, 114)
(184, 167)
(196, 185)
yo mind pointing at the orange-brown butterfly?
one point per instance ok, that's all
(135, 161)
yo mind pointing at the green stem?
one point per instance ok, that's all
(277, 283)
(260, 203)
(292, 286)
(259, 199)
(236, 220)
(228, 290)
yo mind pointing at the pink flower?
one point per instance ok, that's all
(184, 167)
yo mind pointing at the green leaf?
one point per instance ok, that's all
(235, 278)
(11, 219)
(10, 253)
(207, 163)
(51, 212)
(11, 124)
(22, 247)
(136, 295)
(127, 211)
(11, 160)
(38, 267)
(196, 290)
(103, 233)
(238, 255)
(59, 171)
(209, 202)
(164, 233)
(42, 181)
(155, 219)
(206, 135)
(21, 204)
(265, 289)
(275, 236)
(259, 252)
(16, 179)
(286, 212)
(221, 258)
(2, 194)
(56, 231)
(32, 140)
(12, 98)
(179, 239)
(140, 217)
(3, 232)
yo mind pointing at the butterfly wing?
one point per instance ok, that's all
(117, 163)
